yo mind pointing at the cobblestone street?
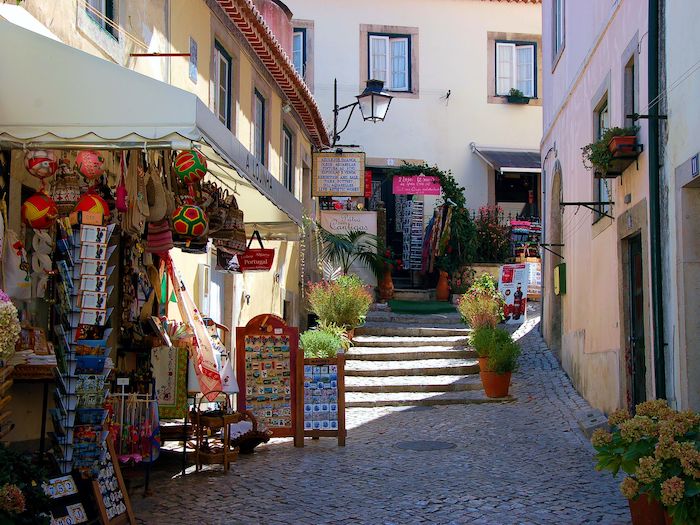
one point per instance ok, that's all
(520, 462)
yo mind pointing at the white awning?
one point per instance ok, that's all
(55, 96)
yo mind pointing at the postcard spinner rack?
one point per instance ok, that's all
(82, 349)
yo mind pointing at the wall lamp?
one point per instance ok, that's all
(373, 101)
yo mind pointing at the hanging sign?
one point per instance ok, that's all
(368, 184)
(416, 185)
(513, 285)
(339, 174)
(256, 259)
(347, 221)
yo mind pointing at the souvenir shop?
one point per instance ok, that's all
(101, 339)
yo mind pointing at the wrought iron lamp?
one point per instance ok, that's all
(374, 104)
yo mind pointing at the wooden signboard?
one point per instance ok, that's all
(110, 492)
(267, 351)
(324, 398)
(339, 174)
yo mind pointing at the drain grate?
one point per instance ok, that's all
(425, 446)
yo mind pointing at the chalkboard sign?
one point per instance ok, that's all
(266, 358)
(339, 174)
(324, 398)
(110, 493)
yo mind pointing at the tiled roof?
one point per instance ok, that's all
(250, 22)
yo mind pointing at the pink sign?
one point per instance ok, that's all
(416, 185)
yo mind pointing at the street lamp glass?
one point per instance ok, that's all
(374, 102)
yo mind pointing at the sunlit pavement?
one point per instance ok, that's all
(524, 462)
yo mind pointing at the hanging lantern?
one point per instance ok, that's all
(92, 203)
(190, 166)
(39, 211)
(41, 163)
(90, 164)
(190, 221)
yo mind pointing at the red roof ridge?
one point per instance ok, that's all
(246, 17)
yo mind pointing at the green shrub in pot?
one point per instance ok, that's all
(320, 344)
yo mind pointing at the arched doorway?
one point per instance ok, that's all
(554, 236)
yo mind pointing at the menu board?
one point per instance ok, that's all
(339, 174)
(110, 493)
(266, 353)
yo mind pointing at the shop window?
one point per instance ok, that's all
(288, 159)
(389, 60)
(558, 28)
(222, 84)
(103, 12)
(601, 190)
(259, 127)
(299, 50)
(516, 68)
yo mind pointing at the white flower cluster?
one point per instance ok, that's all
(9, 329)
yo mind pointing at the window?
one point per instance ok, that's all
(102, 12)
(630, 94)
(389, 61)
(558, 29)
(601, 191)
(299, 50)
(259, 127)
(515, 68)
(287, 159)
(222, 85)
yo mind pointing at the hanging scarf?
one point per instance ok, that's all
(205, 366)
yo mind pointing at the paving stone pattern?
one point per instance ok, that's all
(524, 462)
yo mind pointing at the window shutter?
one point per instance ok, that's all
(378, 57)
(505, 67)
(399, 64)
(525, 69)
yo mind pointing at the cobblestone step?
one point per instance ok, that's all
(374, 353)
(413, 384)
(386, 316)
(411, 330)
(409, 341)
(353, 399)
(421, 367)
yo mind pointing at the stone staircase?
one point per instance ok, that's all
(411, 360)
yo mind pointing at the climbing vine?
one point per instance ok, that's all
(462, 244)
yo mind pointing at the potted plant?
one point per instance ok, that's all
(599, 155)
(460, 281)
(482, 304)
(344, 302)
(498, 359)
(382, 264)
(320, 344)
(515, 96)
(22, 497)
(345, 249)
(659, 450)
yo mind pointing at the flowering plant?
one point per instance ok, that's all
(492, 236)
(659, 450)
(482, 304)
(9, 326)
(22, 496)
(461, 280)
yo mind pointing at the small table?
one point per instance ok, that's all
(215, 451)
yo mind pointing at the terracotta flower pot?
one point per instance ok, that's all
(442, 290)
(386, 286)
(495, 385)
(350, 333)
(647, 511)
(483, 363)
(624, 141)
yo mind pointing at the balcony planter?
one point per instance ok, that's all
(515, 99)
(622, 143)
(609, 156)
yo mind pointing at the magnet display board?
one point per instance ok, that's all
(324, 398)
(110, 492)
(266, 364)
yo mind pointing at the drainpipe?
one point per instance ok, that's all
(655, 203)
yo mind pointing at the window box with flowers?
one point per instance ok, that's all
(515, 96)
(613, 153)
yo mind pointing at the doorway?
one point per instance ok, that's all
(636, 355)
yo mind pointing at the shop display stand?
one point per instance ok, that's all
(413, 234)
(82, 350)
(212, 433)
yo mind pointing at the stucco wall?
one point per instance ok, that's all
(600, 38)
(452, 56)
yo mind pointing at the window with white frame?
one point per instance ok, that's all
(222, 84)
(103, 12)
(601, 190)
(516, 68)
(287, 159)
(299, 50)
(259, 127)
(558, 29)
(389, 60)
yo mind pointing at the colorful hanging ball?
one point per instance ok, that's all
(92, 203)
(190, 221)
(190, 166)
(39, 211)
(41, 163)
(90, 164)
